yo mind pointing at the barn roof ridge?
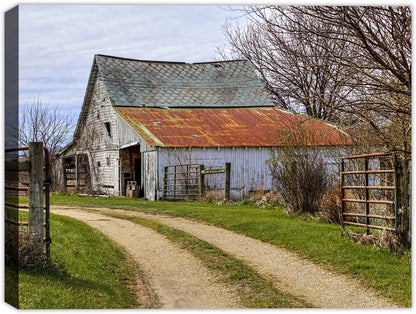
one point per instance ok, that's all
(139, 60)
(168, 62)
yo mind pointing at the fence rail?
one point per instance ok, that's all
(38, 169)
(187, 181)
(181, 182)
(362, 179)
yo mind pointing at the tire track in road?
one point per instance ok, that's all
(300, 277)
(176, 276)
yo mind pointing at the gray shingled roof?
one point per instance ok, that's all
(136, 83)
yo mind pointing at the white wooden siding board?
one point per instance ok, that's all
(149, 159)
(126, 133)
(103, 146)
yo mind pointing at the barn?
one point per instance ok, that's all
(139, 116)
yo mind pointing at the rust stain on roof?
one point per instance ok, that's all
(207, 127)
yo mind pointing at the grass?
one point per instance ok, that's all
(90, 273)
(321, 242)
(254, 290)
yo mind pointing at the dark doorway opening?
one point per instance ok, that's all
(138, 174)
(131, 169)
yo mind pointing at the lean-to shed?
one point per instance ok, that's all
(139, 116)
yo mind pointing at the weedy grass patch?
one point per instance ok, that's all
(90, 272)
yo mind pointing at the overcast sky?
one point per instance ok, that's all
(57, 43)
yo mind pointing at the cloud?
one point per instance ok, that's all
(57, 42)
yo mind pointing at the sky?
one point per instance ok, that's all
(57, 43)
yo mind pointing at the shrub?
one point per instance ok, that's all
(300, 176)
(330, 208)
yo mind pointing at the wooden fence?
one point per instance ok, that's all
(38, 189)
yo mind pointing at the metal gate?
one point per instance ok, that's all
(17, 172)
(369, 192)
(181, 182)
(187, 181)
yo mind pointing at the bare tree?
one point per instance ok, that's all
(380, 40)
(350, 65)
(293, 64)
(40, 123)
(379, 58)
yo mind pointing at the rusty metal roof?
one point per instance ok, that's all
(140, 83)
(207, 127)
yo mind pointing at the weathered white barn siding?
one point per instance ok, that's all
(95, 141)
(102, 149)
(126, 135)
(249, 169)
(149, 178)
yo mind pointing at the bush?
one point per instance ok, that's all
(330, 208)
(300, 177)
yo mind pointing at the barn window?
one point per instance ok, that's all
(108, 128)
(108, 161)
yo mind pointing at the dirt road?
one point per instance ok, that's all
(304, 279)
(177, 277)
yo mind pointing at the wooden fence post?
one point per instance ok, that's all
(165, 182)
(227, 180)
(36, 193)
(404, 192)
(201, 181)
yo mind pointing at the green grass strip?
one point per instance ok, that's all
(91, 272)
(379, 268)
(254, 290)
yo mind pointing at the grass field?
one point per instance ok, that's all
(90, 272)
(375, 267)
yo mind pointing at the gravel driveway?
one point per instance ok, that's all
(302, 278)
(176, 276)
